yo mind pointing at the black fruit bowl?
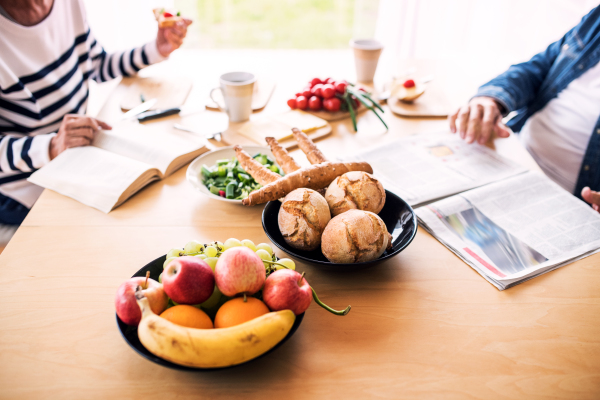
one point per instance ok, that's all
(131, 337)
(399, 218)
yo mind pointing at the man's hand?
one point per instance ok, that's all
(478, 120)
(170, 39)
(591, 197)
(75, 131)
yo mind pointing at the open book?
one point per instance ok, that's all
(516, 229)
(118, 164)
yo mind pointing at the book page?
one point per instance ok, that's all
(151, 144)
(515, 228)
(421, 168)
(94, 177)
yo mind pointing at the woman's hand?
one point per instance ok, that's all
(170, 39)
(478, 120)
(591, 197)
(75, 131)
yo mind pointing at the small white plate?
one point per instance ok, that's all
(194, 174)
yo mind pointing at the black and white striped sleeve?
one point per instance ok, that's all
(107, 66)
(24, 154)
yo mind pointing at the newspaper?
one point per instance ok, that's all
(422, 168)
(516, 229)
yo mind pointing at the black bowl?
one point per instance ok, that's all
(131, 337)
(399, 218)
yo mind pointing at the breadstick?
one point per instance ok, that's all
(313, 177)
(309, 148)
(283, 158)
(259, 172)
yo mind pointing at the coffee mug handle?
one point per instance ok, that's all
(222, 108)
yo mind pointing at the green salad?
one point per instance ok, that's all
(227, 179)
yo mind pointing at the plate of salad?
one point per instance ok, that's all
(217, 174)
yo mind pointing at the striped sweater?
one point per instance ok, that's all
(44, 72)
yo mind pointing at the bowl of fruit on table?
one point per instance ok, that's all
(213, 306)
(219, 175)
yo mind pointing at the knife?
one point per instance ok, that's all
(145, 106)
(182, 111)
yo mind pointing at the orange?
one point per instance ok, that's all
(188, 316)
(236, 311)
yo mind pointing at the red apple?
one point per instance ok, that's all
(127, 306)
(239, 270)
(188, 280)
(285, 289)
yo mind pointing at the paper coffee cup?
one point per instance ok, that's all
(366, 56)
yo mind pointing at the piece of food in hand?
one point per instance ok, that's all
(407, 91)
(239, 271)
(188, 316)
(167, 19)
(355, 190)
(287, 290)
(355, 236)
(283, 158)
(188, 280)
(126, 303)
(239, 310)
(315, 177)
(302, 219)
(259, 172)
(309, 147)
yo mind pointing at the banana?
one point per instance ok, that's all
(211, 348)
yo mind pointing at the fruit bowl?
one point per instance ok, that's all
(130, 335)
(399, 218)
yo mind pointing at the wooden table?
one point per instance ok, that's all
(422, 325)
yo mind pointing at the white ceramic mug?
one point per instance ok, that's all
(237, 89)
(366, 56)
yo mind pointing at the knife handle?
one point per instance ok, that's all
(150, 115)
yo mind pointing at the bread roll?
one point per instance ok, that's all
(355, 190)
(302, 218)
(355, 236)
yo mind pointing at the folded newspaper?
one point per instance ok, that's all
(516, 229)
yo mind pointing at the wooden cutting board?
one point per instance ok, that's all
(432, 103)
(170, 92)
(263, 90)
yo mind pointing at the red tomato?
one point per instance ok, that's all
(292, 103)
(167, 15)
(328, 80)
(328, 91)
(409, 83)
(340, 87)
(332, 104)
(314, 103)
(306, 92)
(315, 81)
(316, 90)
(222, 193)
(301, 102)
(298, 94)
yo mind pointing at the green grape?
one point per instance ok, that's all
(160, 277)
(193, 246)
(290, 264)
(202, 256)
(249, 243)
(174, 253)
(264, 255)
(212, 262)
(211, 251)
(167, 261)
(213, 300)
(232, 242)
(264, 246)
(220, 246)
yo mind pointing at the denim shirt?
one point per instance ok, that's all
(529, 86)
